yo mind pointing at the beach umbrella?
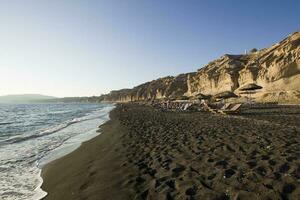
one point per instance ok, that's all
(170, 98)
(182, 98)
(250, 87)
(225, 95)
(202, 96)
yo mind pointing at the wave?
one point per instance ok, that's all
(5, 123)
(22, 161)
(55, 129)
(39, 193)
(59, 112)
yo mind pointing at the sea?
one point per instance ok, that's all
(31, 135)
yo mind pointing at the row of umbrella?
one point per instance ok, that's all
(246, 89)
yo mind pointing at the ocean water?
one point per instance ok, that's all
(33, 134)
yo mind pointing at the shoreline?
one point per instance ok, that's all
(143, 153)
(64, 150)
(79, 154)
(41, 194)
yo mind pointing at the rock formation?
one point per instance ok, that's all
(156, 89)
(276, 69)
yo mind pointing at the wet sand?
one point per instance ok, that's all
(145, 153)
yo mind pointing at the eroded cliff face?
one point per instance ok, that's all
(156, 89)
(276, 69)
(217, 76)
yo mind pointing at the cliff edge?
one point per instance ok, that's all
(276, 69)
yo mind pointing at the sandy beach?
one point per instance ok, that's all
(144, 153)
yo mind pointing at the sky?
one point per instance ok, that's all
(88, 47)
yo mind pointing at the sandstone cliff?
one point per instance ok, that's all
(276, 69)
(156, 89)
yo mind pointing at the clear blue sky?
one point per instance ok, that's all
(76, 48)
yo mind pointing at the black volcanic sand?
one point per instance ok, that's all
(149, 154)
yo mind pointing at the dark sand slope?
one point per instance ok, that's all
(147, 154)
(91, 172)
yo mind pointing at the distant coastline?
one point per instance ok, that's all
(25, 98)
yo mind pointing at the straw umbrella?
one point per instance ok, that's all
(250, 88)
(182, 98)
(199, 97)
(225, 95)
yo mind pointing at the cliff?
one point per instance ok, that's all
(276, 69)
(156, 89)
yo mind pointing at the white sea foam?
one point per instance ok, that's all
(38, 192)
(21, 159)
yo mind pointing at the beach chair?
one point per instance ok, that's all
(226, 106)
(186, 106)
(180, 107)
(233, 110)
(208, 108)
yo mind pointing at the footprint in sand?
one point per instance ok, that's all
(229, 173)
(191, 191)
(177, 170)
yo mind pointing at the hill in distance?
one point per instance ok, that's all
(25, 98)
